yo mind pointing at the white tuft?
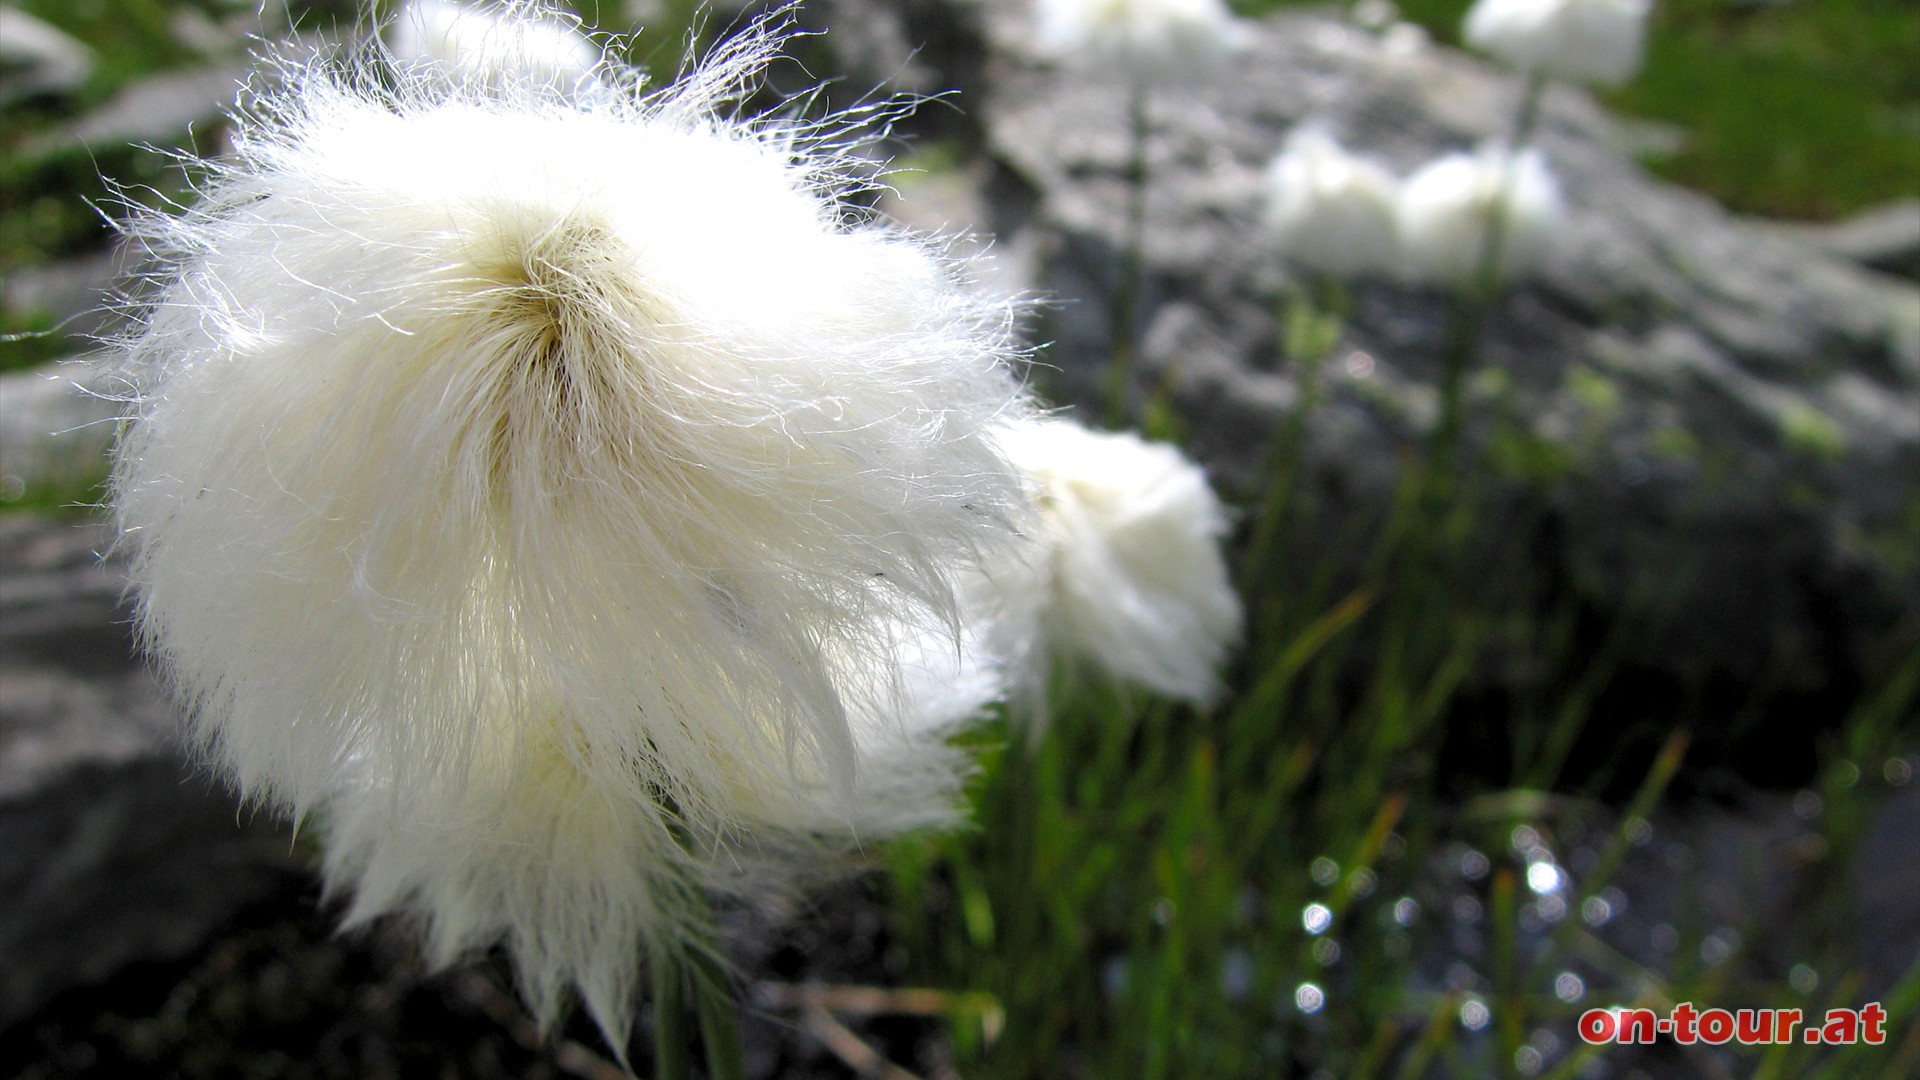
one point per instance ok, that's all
(1126, 568)
(508, 40)
(564, 498)
(1447, 207)
(1592, 41)
(1329, 210)
(1148, 40)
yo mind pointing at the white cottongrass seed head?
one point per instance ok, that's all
(1124, 569)
(1329, 210)
(1146, 40)
(563, 497)
(1448, 206)
(1589, 41)
(492, 41)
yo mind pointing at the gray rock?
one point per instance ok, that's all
(1737, 415)
(160, 110)
(1886, 237)
(56, 423)
(114, 848)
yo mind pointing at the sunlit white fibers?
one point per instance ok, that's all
(563, 497)
(1447, 208)
(1329, 210)
(1595, 41)
(1126, 568)
(1148, 40)
(510, 39)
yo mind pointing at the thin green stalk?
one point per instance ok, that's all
(718, 1010)
(1126, 289)
(1510, 1024)
(1309, 330)
(671, 1061)
(1468, 324)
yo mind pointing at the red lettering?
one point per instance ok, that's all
(1684, 1019)
(1637, 1026)
(1875, 1019)
(1716, 1026)
(1598, 1025)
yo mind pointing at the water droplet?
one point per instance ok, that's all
(1552, 908)
(1316, 918)
(1664, 937)
(1473, 865)
(1236, 974)
(1544, 877)
(1309, 998)
(1466, 908)
(1896, 771)
(1163, 911)
(1363, 882)
(1639, 831)
(1525, 838)
(1325, 871)
(1326, 951)
(1569, 987)
(1847, 773)
(1528, 1060)
(1595, 911)
(1359, 365)
(1716, 948)
(1405, 910)
(1806, 805)
(1474, 1014)
(1803, 978)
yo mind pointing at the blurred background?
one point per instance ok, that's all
(1615, 702)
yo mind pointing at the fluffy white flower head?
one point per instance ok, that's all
(1447, 207)
(1329, 210)
(1592, 41)
(563, 496)
(510, 39)
(1151, 40)
(1126, 568)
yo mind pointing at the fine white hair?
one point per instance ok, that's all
(1124, 569)
(563, 495)
(1330, 210)
(1447, 207)
(1591, 41)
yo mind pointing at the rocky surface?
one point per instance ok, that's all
(1719, 423)
(114, 849)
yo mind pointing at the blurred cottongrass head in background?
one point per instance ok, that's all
(1145, 41)
(1329, 210)
(1449, 207)
(1126, 570)
(1590, 41)
(482, 43)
